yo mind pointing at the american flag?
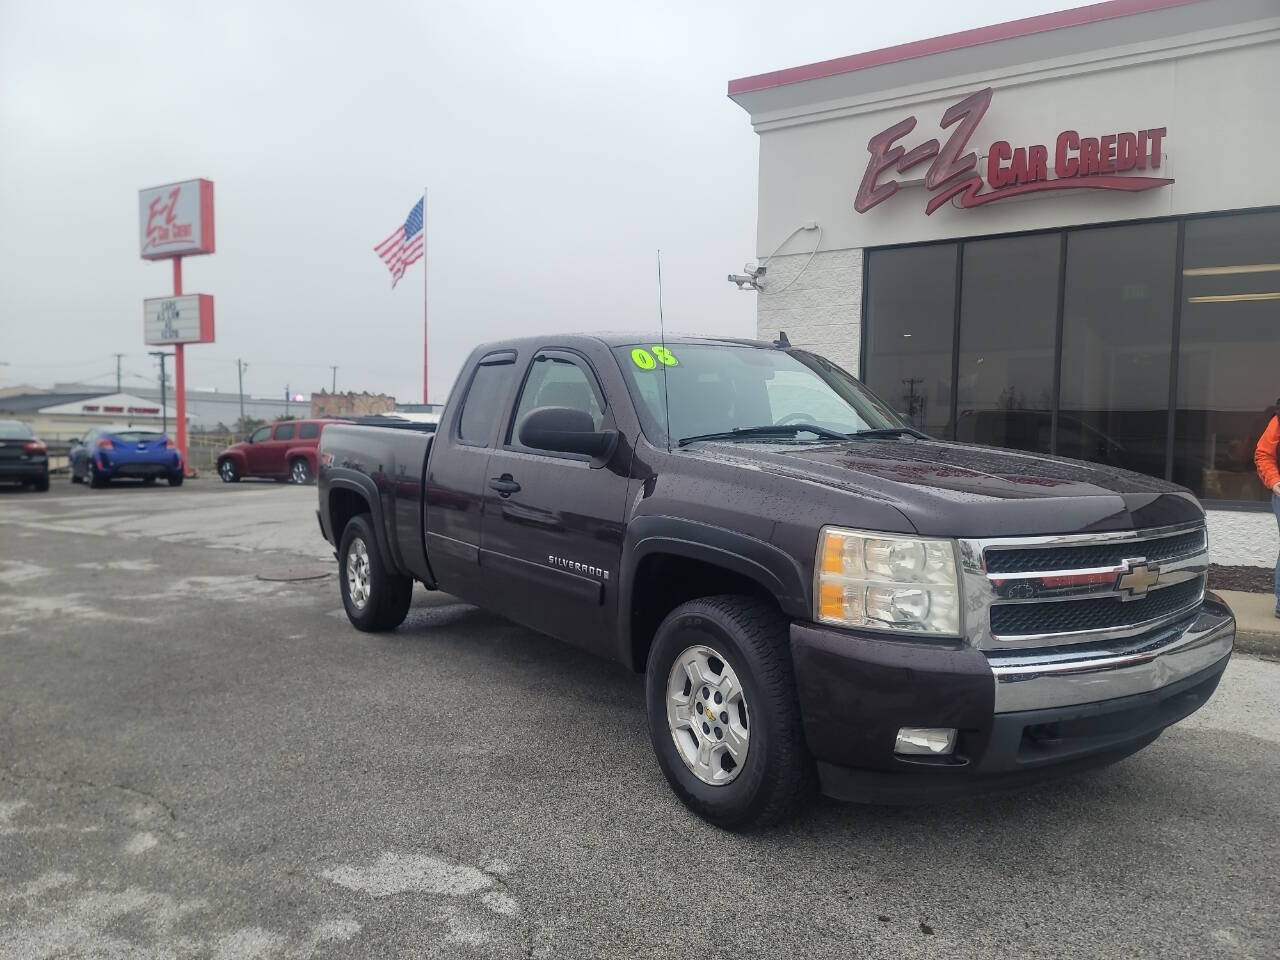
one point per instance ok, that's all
(404, 247)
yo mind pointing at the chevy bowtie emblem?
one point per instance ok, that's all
(1138, 578)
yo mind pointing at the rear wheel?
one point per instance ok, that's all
(228, 472)
(42, 484)
(149, 481)
(723, 714)
(300, 471)
(375, 599)
(96, 479)
(175, 479)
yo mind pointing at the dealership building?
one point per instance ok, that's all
(1060, 234)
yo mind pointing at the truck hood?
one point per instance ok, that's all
(961, 490)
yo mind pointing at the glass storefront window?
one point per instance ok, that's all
(1114, 363)
(1229, 361)
(1008, 323)
(1117, 334)
(911, 294)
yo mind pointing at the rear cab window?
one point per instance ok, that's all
(285, 431)
(482, 405)
(308, 431)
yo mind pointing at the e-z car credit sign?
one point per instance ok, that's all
(186, 319)
(176, 220)
(1113, 161)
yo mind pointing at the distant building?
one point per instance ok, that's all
(63, 416)
(207, 410)
(360, 404)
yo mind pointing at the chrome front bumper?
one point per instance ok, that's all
(1061, 677)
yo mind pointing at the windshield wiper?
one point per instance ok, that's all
(889, 432)
(771, 430)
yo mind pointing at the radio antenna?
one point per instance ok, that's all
(662, 336)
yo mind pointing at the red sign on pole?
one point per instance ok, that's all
(1090, 163)
(176, 221)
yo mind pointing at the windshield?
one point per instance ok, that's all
(722, 387)
(14, 430)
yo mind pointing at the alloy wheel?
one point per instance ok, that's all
(300, 472)
(358, 573)
(707, 715)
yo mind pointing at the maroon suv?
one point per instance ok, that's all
(285, 450)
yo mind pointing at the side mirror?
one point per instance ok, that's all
(73, 442)
(565, 430)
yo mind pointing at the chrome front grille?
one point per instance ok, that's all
(1050, 591)
(1095, 555)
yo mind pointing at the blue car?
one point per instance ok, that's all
(105, 454)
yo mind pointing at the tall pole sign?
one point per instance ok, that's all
(176, 221)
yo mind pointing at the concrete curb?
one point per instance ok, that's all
(1257, 627)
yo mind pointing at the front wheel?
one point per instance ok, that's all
(375, 599)
(723, 714)
(300, 471)
(228, 472)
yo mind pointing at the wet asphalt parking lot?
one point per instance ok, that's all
(196, 762)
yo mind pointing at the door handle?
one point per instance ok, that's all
(505, 485)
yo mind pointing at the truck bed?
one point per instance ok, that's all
(387, 465)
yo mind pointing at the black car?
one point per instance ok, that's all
(23, 457)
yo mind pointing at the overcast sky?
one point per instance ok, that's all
(562, 143)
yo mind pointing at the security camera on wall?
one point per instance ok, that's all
(752, 278)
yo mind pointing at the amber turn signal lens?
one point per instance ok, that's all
(832, 554)
(831, 600)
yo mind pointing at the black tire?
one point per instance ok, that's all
(175, 479)
(300, 471)
(389, 595)
(777, 776)
(149, 481)
(75, 477)
(97, 480)
(42, 485)
(228, 472)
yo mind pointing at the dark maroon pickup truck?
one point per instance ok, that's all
(816, 592)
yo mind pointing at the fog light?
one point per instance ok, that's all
(929, 741)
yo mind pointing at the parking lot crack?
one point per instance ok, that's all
(508, 897)
(11, 773)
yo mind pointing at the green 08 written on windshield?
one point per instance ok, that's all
(724, 391)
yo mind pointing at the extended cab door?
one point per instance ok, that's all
(553, 528)
(457, 476)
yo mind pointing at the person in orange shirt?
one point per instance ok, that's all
(1267, 459)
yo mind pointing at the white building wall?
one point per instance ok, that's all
(820, 309)
(1216, 148)
(1241, 538)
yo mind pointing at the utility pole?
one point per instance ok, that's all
(335, 379)
(164, 405)
(240, 369)
(286, 401)
(118, 356)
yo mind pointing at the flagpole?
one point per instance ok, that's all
(425, 397)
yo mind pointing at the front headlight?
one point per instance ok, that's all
(883, 581)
